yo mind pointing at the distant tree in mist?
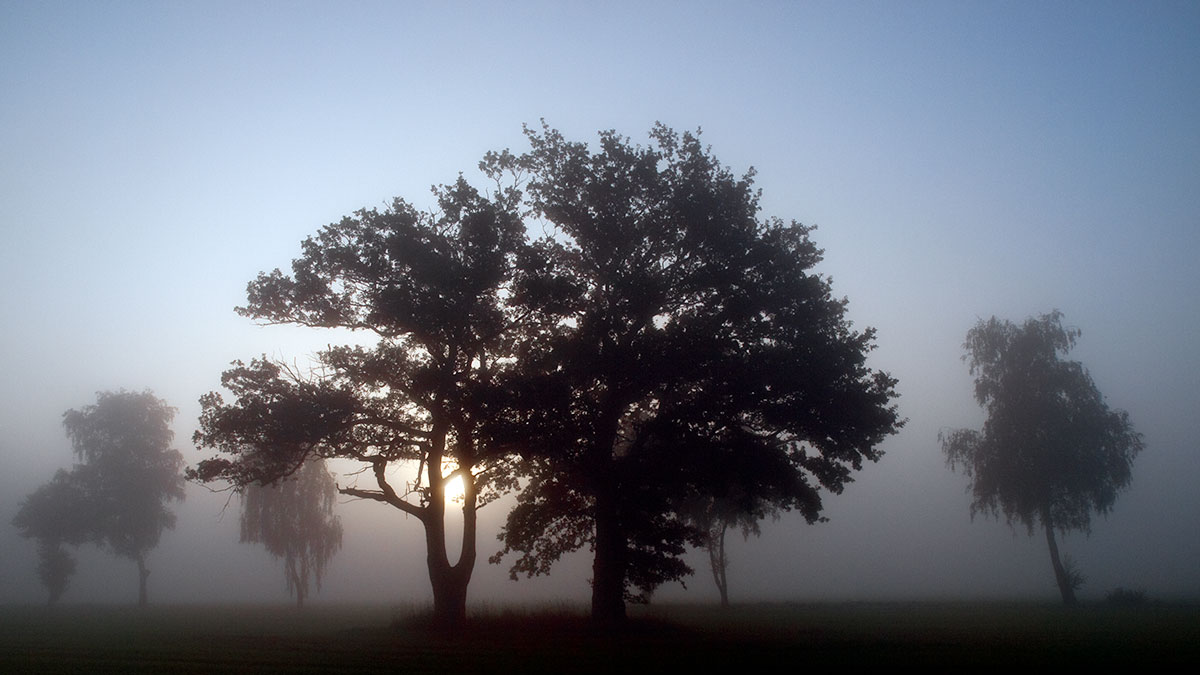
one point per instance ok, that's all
(56, 514)
(714, 517)
(116, 495)
(55, 567)
(1051, 451)
(293, 518)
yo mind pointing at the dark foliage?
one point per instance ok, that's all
(661, 344)
(1126, 597)
(429, 286)
(1051, 452)
(685, 349)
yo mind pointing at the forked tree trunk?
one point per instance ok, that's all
(143, 574)
(1065, 583)
(450, 582)
(449, 595)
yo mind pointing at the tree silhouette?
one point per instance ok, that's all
(430, 287)
(116, 496)
(293, 518)
(55, 567)
(1051, 452)
(685, 349)
(714, 517)
(56, 514)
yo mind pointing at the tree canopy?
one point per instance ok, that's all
(685, 348)
(56, 514)
(117, 495)
(1051, 452)
(430, 287)
(294, 520)
(660, 342)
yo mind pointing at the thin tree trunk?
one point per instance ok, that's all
(1060, 572)
(143, 574)
(718, 562)
(300, 585)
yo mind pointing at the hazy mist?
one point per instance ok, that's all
(961, 160)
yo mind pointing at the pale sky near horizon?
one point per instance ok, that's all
(960, 159)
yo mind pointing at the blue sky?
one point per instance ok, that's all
(960, 159)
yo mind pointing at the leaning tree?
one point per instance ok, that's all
(430, 287)
(686, 349)
(1051, 451)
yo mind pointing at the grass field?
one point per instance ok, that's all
(185, 639)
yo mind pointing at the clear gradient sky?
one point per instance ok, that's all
(960, 159)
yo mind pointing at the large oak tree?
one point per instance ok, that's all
(687, 349)
(430, 287)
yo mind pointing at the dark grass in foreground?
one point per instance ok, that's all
(776, 636)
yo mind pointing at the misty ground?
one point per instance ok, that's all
(333, 638)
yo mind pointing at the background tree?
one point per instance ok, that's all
(56, 515)
(430, 286)
(129, 472)
(293, 518)
(55, 567)
(685, 349)
(714, 517)
(116, 496)
(1051, 452)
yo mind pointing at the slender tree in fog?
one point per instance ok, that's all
(714, 517)
(687, 349)
(293, 518)
(117, 495)
(430, 287)
(1051, 451)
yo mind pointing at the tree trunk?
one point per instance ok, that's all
(450, 582)
(608, 566)
(609, 561)
(449, 596)
(143, 574)
(1065, 586)
(300, 586)
(716, 559)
